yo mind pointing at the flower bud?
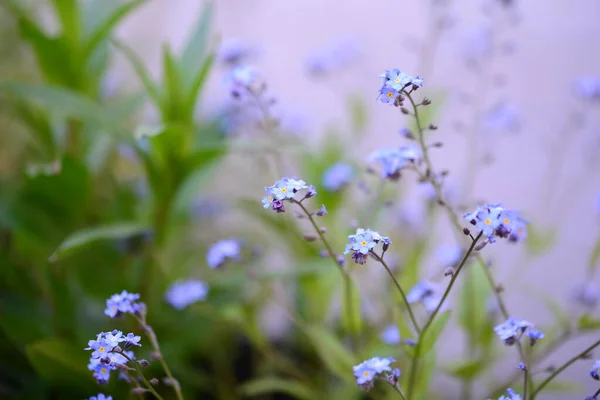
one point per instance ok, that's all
(404, 110)
(466, 231)
(449, 271)
(154, 381)
(426, 101)
(143, 363)
(310, 237)
(432, 127)
(156, 356)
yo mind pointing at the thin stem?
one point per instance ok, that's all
(154, 342)
(408, 307)
(525, 360)
(345, 275)
(140, 373)
(415, 361)
(525, 376)
(562, 368)
(399, 390)
(597, 393)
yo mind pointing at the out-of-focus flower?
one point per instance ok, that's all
(449, 254)
(392, 160)
(337, 176)
(534, 335)
(223, 250)
(521, 366)
(333, 57)
(182, 294)
(321, 211)
(426, 293)
(476, 45)
(391, 335)
(511, 395)
(595, 369)
(586, 294)
(588, 87)
(244, 79)
(123, 303)
(501, 118)
(364, 241)
(512, 329)
(235, 52)
(495, 221)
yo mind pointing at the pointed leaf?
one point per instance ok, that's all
(196, 49)
(436, 328)
(588, 323)
(472, 306)
(83, 238)
(141, 71)
(173, 89)
(333, 353)
(70, 20)
(198, 83)
(270, 385)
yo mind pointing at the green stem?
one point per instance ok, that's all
(399, 390)
(525, 376)
(408, 307)
(154, 342)
(345, 275)
(139, 372)
(415, 361)
(562, 368)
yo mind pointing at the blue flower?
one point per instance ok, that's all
(494, 221)
(242, 79)
(106, 353)
(521, 366)
(123, 303)
(380, 364)
(503, 117)
(268, 199)
(366, 371)
(586, 294)
(363, 374)
(391, 161)
(417, 81)
(363, 242)
(397, 79)
(426, 293)
(588, 87)
(534, 335)
(512, 329)
(322, 211)
(285, 189)
(512, 395)
(337, 176)
(101, 348)
(100, 396)
(219, 252)
(102, 373)
(182, 294)
(387, 95)
(595, 369)
(391, 335)
(132, 340)
(449, 255)
(488, 220)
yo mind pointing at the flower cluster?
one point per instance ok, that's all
(512, 329)
(368, 370)
(595, 369)
(493, 221)
(363, 242)
(243, 79)
(425, 292)
(223, 250)
(107, 353)
(123, 303)
(182, 294)
(510, 395)
(285, 189)
(337, 176)
(392, 160)
(394, 82)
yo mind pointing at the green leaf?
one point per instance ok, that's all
(594, 261)
(196, 49)
(588, 323)
(467, 370)
(197, 84)
(332, 352)
(538, 241)
(173, 99)
(269, 385)
(436, 328)
(356, 324)
(141, 71)
(66, 103)
(472, 313)
(70, 20)
(39, 126)
(58, 360)
(83, 238)
(426, 371)
(102, 32)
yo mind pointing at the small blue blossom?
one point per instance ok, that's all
(586, 294)
(521, 366)
(512, 395)
(268, 199)
(123, 303)
(362, 242)
(100, 396)
(392, 160)
(106, 353)
(102, 372)
(363, 374)
(368, 370)
(534, 335)
(285, 189)
(512, 329)
(495, 221)
(338, 176)
(426, 293)
(322, 211)
(449, 255)
(588, 87)
(223, 250)
(182, 294)
(132, 340)
(387, 95)
(595, 369)
(396, 79)
(391, 335)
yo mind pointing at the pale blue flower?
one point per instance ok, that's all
(387, 95)
(512, 329)
(223, 250)
(391, 335)
(100, 396)
(420, 291)
(182, 294)
(102, 373)
(337, 176)
(397, 79)
(534, 335)
(105, 353)
(268, 199)
(366, 371)
(417, 81)
(512, 395)
(363, 374)
(363, 243)
(132, 340)
(122, 303)
(380, 364)
(595, 369)
(242, 79)
(391, 161)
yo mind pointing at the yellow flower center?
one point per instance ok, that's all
(487, 221)
(363, 243)
(284, 190)
(390, 94)
(397, 80)
(506, 221)
(101, 349)
(270, 198)
(103, 370)
(366, 374)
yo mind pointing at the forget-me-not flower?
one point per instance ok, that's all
(123, 303)
(511, 330)
(364, 241)
(106, 353)
(368, 370)
(391, 335)
(492, 220)
(595, 369)
(511, 395)
(100, 396)
(182, 294)
(285, 189)
(223, 250)
(337, 176)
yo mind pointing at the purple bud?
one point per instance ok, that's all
(310, 192)
(359, 258)
(278, 206)
(322, 211)
(143, 363)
